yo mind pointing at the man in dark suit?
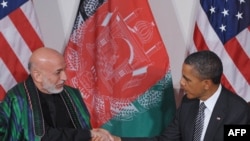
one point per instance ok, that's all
(201, 75)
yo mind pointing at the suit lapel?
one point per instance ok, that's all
(217, 117)
(189, 117)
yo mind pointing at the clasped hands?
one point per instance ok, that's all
(99, 134)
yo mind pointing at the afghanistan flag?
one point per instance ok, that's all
(116, 57)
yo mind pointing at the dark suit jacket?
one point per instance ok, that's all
(229, 109)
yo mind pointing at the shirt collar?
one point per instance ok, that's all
(210, 102)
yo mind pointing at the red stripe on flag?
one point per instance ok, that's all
(25, 29)
(11, 60)
(199, 41)
(239, 57)
(2, 91)
(121, 55)
(200, 44)
(226, 83)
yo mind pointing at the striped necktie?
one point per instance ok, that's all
(199, 122)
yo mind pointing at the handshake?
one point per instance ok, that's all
(99, 134)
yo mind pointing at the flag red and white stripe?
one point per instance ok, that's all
(19, 36)
(234, 52)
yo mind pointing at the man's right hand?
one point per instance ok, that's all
(99, 134)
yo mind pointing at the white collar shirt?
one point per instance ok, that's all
(210, 103)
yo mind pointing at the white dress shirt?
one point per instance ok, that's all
(210, 103)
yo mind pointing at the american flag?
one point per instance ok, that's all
(19, 36)
(223, 27)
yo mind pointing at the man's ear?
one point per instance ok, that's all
(37, 76)
(208, 83)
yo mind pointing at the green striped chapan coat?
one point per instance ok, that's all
(21, 114)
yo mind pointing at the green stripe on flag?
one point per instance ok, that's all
(148, 115)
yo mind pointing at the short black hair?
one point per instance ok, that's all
(207, 64)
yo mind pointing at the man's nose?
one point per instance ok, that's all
(63, 76)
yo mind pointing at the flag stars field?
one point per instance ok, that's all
(225, 12)
(239, 15)
(223, 27)
(4, 4)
